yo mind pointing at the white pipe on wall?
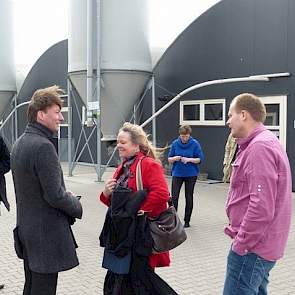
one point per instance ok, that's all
(89, 59)
(200, 85)
(98, 76)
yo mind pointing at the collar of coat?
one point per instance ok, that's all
(132, 167)
(40, 129)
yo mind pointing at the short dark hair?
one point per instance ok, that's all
(252, 104)
(185, 129)
(42, 99)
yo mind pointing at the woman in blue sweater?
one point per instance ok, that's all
(185, 154)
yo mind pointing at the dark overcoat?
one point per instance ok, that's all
(44, 208)
(4, 168)
(155, 203)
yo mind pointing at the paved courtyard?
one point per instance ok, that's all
(198, 266)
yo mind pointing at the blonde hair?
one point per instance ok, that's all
(138, 136)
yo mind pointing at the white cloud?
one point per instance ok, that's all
(168, 18)
(37, 26)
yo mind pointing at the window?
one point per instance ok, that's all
(272, 115)
(203, 112)
(191, 112)
(65, 113)
(64, 99)
(213, 112)
(276, 116)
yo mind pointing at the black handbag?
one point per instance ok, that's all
(166, 229)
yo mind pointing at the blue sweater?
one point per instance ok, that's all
(191, 149)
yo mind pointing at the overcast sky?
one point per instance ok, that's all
(41, 23)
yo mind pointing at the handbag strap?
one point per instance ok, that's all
(139, 183)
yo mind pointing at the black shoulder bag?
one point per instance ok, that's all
(166, 229)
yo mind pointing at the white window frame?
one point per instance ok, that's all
(281, 100)
(202, 121)
(65, 110)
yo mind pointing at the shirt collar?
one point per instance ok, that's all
(244, 142)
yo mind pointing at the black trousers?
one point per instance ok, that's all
(189, 185)
(38, 283)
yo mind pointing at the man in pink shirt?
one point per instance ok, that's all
(259, 200)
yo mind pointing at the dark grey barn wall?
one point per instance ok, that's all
(234, 38)
(50, 69)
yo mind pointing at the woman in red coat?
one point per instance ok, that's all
(132, 144)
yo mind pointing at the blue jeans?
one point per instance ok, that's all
(246, 275)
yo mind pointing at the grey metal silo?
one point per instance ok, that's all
(7, 66)
(125, 57)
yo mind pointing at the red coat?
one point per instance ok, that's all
(158, 194)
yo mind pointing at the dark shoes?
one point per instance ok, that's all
(186, 224)
(1, 286)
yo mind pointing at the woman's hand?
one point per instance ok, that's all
(174, 159)
(109, 187)
(186, 160)
(140, 212)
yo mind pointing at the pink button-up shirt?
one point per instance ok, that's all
(259, 200)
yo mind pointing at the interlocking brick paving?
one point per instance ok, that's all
(197, 268)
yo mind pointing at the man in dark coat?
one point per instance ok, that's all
(45, 210)
(4, 168)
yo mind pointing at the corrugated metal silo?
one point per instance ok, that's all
(125, 57)
(7, 67)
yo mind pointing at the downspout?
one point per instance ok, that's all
(89, 75)
(98, 77)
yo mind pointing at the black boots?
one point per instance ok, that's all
(186, 224)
